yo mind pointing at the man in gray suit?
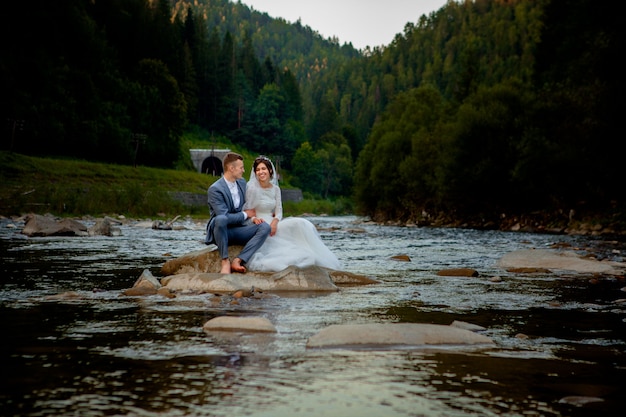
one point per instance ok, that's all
(227, 224)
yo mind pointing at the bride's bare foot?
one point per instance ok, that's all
(225, 266)
(237, 267)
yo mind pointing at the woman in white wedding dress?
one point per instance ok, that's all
(293, 240)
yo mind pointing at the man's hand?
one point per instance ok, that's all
(250, 212)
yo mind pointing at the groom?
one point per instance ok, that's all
(227, 224)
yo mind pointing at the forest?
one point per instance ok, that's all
(481, 108)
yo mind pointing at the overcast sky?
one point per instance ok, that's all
(362, 22)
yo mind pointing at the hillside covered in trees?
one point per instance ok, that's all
(481, 108)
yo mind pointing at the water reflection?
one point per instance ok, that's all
(93, 352)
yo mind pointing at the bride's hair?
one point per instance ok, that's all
(266, 161)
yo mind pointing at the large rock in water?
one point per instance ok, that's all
(207, 261)
(37, 225)
(293, 278)
(203, 260)
(394, 334)
(567, 260)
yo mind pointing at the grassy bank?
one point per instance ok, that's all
(76, 188)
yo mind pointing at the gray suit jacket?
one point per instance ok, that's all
(221, 202)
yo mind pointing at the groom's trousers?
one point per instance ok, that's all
(250, 235)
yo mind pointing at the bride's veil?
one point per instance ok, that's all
(273, 180)
(253, 188)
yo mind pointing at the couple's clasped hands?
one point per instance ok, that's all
(257, 220)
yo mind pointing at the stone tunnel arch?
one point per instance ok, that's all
(212, 166)
(208, 161)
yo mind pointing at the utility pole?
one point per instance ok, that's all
(17, 125)
(138, 138)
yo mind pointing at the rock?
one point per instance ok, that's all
(204, 260)
(160, 225)
(68, 295)
(529, 270)
(567, 260)
(103, 227)
(402, 258)
(458, 272)
(147, 224)
(394, 334)
(139, 291)
(467, 326)
(146, 279)
(347, 278)
(579, 400)
(166, 292)
(146, 284)
(248, 324)
(207, 260)
(292, 278)
(37, 225)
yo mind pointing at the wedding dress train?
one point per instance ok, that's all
(296, 242)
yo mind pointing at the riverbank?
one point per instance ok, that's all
(78, 188)
(581, 221)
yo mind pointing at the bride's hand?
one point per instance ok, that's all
(273, 227)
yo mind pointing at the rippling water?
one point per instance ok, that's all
(97, 353)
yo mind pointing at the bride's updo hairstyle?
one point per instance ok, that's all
(266, 161)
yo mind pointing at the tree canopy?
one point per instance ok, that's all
(482, 106)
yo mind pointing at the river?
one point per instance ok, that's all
(560, 337)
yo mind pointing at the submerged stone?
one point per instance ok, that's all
(567, 260)
(395, 334)
(458, 272)
(249, 324)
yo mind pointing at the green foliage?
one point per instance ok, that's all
(399, 163)
(504, 134)
(307, 169)
(333, 207)
(75, 187)
(480, 106)
(487, 129)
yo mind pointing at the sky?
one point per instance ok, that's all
(362, 22)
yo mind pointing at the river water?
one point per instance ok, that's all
(94, 352)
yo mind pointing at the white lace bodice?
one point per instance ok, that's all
(266, 202)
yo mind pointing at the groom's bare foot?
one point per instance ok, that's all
(225, 266)
(236, 266)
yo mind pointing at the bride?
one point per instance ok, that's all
(293, 240)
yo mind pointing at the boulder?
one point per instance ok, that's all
(207, 260)
(292, 278)
(248, 324)
(395, 334)
(344, 278)
(579, 400)
(458, 272)
(146, 284)
(203, 260)
(104, 227)
(559, 260)
(467, 326)
(38, 225)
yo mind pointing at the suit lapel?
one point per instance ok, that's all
(229, 196)
(242, 194)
